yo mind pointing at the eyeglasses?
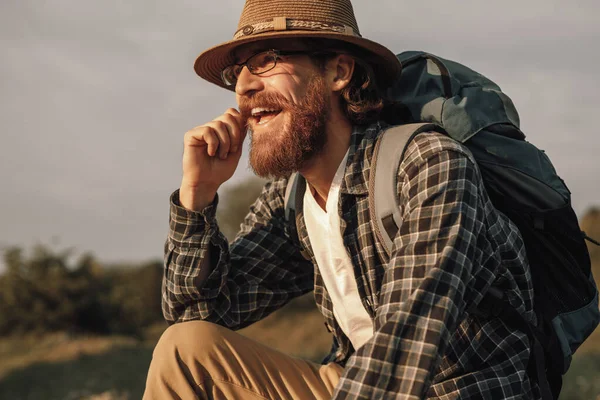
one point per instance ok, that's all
(257, 64)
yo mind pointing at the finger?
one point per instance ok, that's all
(233, 112)
(240, 123)
(195, 137)
(223, 133)
(204, 136)
(234, 131)
(198, 137)
(237, 117)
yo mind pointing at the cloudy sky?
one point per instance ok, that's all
(96, 96)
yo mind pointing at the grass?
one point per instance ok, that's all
(117, 373)
(63, 367)
(59, 366)
(582, 381)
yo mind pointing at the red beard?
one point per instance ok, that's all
(278, 154)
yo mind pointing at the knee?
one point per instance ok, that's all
(182, 359)
(197, 338)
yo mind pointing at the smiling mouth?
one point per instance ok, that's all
(262, 116)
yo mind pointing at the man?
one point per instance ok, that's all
(308, 89)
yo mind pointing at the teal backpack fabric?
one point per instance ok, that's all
(523, 184)
(451, 95)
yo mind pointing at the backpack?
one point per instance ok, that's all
(521, 182)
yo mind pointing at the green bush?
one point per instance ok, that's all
(134, 298)
(45, 293)
(235, 204)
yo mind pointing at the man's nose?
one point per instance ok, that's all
(247, 83)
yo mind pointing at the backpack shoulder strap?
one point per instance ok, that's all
(289, 200)
(294, 191)
(384, 205)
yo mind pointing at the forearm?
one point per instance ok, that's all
(188, 260)
(206, 278)
(196, 198)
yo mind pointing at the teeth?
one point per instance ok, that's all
(260, 110)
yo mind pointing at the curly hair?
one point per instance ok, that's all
(363, 100)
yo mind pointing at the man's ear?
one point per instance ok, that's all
(340, 70)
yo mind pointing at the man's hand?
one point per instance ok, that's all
(211, 153)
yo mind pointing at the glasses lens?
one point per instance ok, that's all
(257, 64)
(230, 74)
(262, 62)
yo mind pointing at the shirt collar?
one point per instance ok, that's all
(362, 144)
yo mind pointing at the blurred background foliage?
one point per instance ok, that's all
(45, 292)
(75, 328)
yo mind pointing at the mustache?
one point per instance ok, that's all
(264, 100)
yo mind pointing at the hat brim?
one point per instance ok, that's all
(211, 62)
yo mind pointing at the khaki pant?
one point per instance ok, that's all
(200, 360)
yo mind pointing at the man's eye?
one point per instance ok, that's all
(261, 61)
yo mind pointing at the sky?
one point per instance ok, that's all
(95, 97)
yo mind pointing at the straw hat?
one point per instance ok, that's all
(275, 19)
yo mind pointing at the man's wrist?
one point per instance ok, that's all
(196, 199)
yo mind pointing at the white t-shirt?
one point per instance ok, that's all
(335, 264)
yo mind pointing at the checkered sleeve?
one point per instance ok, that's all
(258, 273)
(424, 289)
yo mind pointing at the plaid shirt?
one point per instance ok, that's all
(452, 246)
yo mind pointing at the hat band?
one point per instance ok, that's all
(284, 24)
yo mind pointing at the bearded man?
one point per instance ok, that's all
(308, 87)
